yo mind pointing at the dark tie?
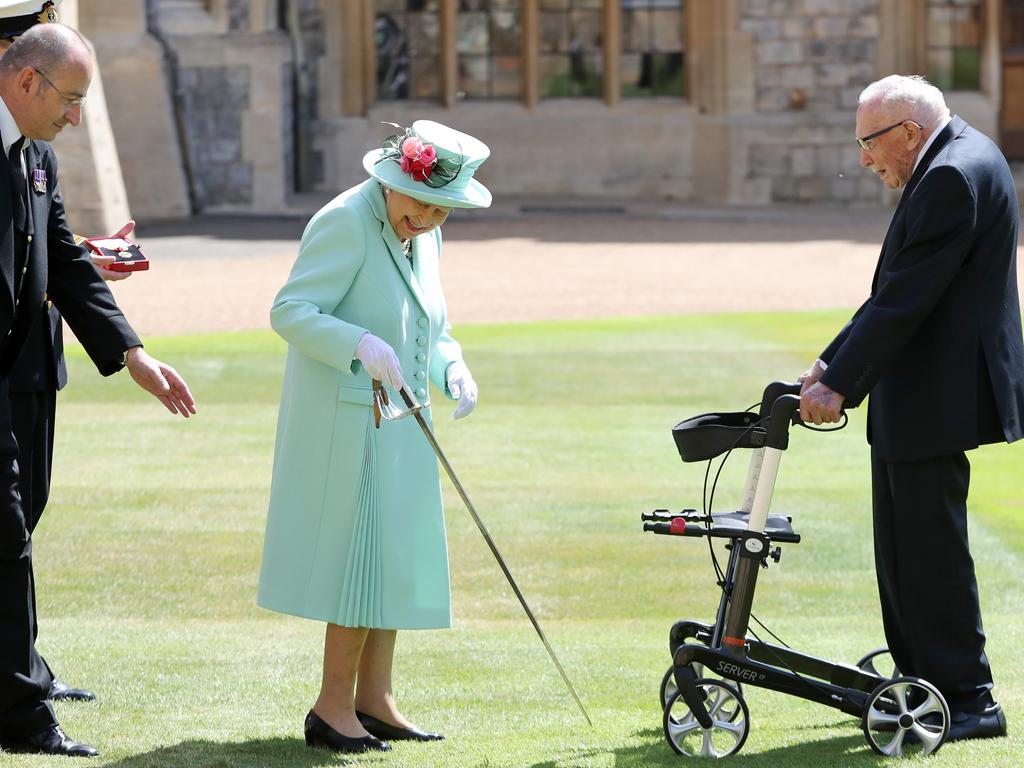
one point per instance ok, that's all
(19, 187)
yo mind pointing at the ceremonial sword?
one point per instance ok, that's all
(380, 401)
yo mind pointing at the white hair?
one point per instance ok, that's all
(912, 95)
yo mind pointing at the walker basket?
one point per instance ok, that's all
(703, 437)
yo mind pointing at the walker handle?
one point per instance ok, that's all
(773, 392)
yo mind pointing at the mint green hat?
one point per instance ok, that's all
(432, 163)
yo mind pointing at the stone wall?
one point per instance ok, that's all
(214, 101)
(812, 58)
(234, 92)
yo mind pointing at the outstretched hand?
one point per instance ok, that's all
(161, 381)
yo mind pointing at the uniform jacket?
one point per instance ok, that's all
(40, 365)
(938, 344)
(58, 268)
(355, 530)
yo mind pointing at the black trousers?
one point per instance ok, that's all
(33, 416)
(930, 608)
(24, 677)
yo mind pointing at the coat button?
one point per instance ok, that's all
(29, 238)
(421, 340)
(421, 375)
(421, 358)
(421, 393)
(422, 322)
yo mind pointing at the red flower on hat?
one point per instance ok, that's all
(417, 158)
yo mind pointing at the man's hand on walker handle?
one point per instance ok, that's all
(820, 405)
(811, 375)
(161, 381)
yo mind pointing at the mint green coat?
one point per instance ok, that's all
(355, 531)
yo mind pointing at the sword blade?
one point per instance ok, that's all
(429, 433)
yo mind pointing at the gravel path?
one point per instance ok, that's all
(218, 274)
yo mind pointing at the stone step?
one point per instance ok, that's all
(185, 17)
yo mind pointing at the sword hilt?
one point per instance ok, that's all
(407, 396)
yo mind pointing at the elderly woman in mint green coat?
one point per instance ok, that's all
(355, 532)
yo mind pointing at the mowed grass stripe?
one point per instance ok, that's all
(147, 558)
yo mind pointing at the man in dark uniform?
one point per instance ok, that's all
(44, 77)
(39, 372)
(938, 346)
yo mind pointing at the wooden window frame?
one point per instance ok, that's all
(359, 92)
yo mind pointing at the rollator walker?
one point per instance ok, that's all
(708, 716)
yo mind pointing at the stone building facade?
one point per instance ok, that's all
(240, 105)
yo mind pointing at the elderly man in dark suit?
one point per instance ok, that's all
(938, 346)
(44, 77)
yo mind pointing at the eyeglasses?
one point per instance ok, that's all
(70, 101)
(863, 142)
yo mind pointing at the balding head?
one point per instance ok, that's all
(44, 77)
(47, 47)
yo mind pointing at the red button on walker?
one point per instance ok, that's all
(677, 526)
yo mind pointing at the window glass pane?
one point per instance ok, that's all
(488, 46)
(473, 77)
(554, 32)
(954, 44)
(406, 38)
(653, 55)
(572, 55)
(507, 76)
(473, 35)
(1013, 23)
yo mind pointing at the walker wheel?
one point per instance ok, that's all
(906, 716)
(670, 689)
(880, 657)
(726, 735)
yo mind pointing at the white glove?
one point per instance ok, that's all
(462, 386)
(380, 361)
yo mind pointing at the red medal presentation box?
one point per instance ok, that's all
(127, 255)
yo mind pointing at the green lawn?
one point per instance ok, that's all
(147, 557)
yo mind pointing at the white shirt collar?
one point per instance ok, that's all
(8, 127)
(928, 143)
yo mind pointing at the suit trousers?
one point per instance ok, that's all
(24, 677)
(33, 418)
(930, 608)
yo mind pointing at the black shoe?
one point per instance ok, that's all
(50, 741)
(320, 735)
(383, 730)
(61, 691)
(990, 723)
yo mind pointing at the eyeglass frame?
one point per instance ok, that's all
(79, 101)
(863, 141)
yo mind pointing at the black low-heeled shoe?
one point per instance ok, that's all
(383, 730)
(321, 736)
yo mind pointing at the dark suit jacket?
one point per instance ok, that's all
(938, 344)
(58, 268)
